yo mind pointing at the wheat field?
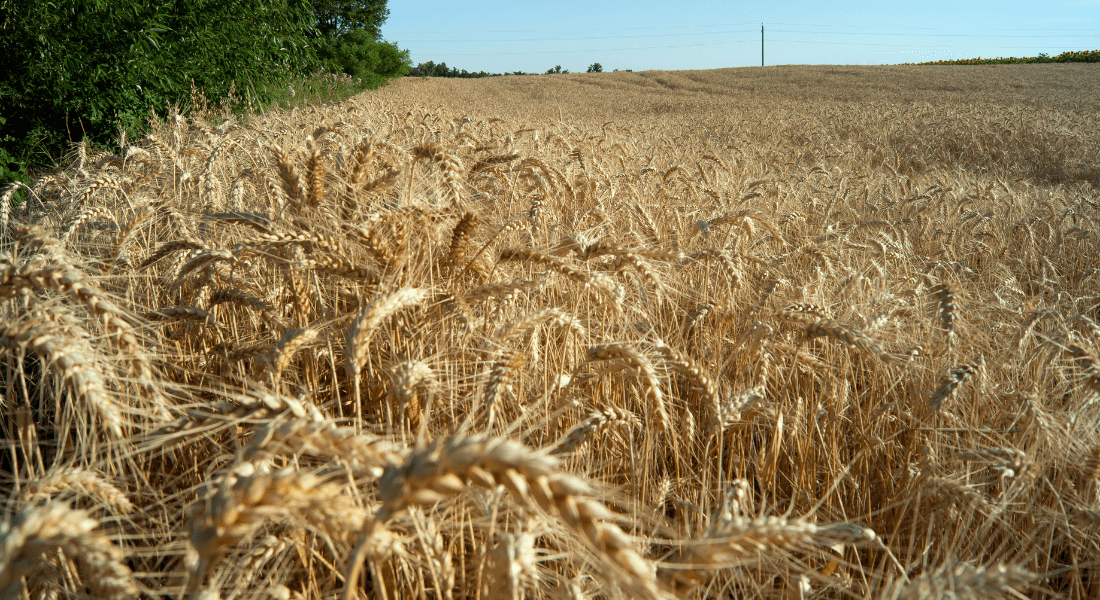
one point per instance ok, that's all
(794, 332)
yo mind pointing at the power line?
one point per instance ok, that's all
(713, 25)
(597, 29)
(932, 28)
(980, 34)
(968, 35)
(573, 39)
(599, 49)
(722, 43)
(905, 45)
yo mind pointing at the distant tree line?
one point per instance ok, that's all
(1087, 56)
(430, 69)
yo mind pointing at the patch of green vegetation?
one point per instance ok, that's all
(1065, 57)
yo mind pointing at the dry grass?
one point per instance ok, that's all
(781, 333)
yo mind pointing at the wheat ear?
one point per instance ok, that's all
(1090, 364)
(367, 454)
(446, 467)
(631, 356)
(65, 349)
(38, 532)
(949, 386)
(685, 366)
(370, 317)
(460, 240)
(288, 346)
(947, 299)
(246, 498)
(315, 178)
(89, 213)
(595, 425)
(88, 483)
(291, 182)
(450, 167)
(956, 579)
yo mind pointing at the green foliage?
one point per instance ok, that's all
(362, 57)
(430, 69)
(595, 68)
(337, 18)
(1088, 56)
(320, 87)
(556, 69)
(12, 168)
(83, 68)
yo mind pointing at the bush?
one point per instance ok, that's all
(360, 56)
(595, 68)
(83, 68)
(12, 168)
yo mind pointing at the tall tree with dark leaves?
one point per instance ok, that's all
(337, 17)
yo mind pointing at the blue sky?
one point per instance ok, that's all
(503, 36)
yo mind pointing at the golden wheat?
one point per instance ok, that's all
(799, 332)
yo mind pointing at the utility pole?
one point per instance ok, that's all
(761, 44)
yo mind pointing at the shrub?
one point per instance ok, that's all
(360, 56)
(83, 68)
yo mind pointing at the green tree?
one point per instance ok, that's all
(76, 68)
(337, 17)
(359, 55)
(595, 68)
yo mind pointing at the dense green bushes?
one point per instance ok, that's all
(76, 69)
(359, 55)
(86, 67)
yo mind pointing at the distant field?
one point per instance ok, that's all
(784, 332)
(990, 117)
(605, 96)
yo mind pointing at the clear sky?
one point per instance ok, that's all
(505, 36)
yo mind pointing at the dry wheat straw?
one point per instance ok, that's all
(615, 235)
(88, 483)
(363, 326)
(66, 352)
(248, 497)
(36, 533)
(448, 466)
(630, 355)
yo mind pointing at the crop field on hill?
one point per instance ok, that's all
(793, 332)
